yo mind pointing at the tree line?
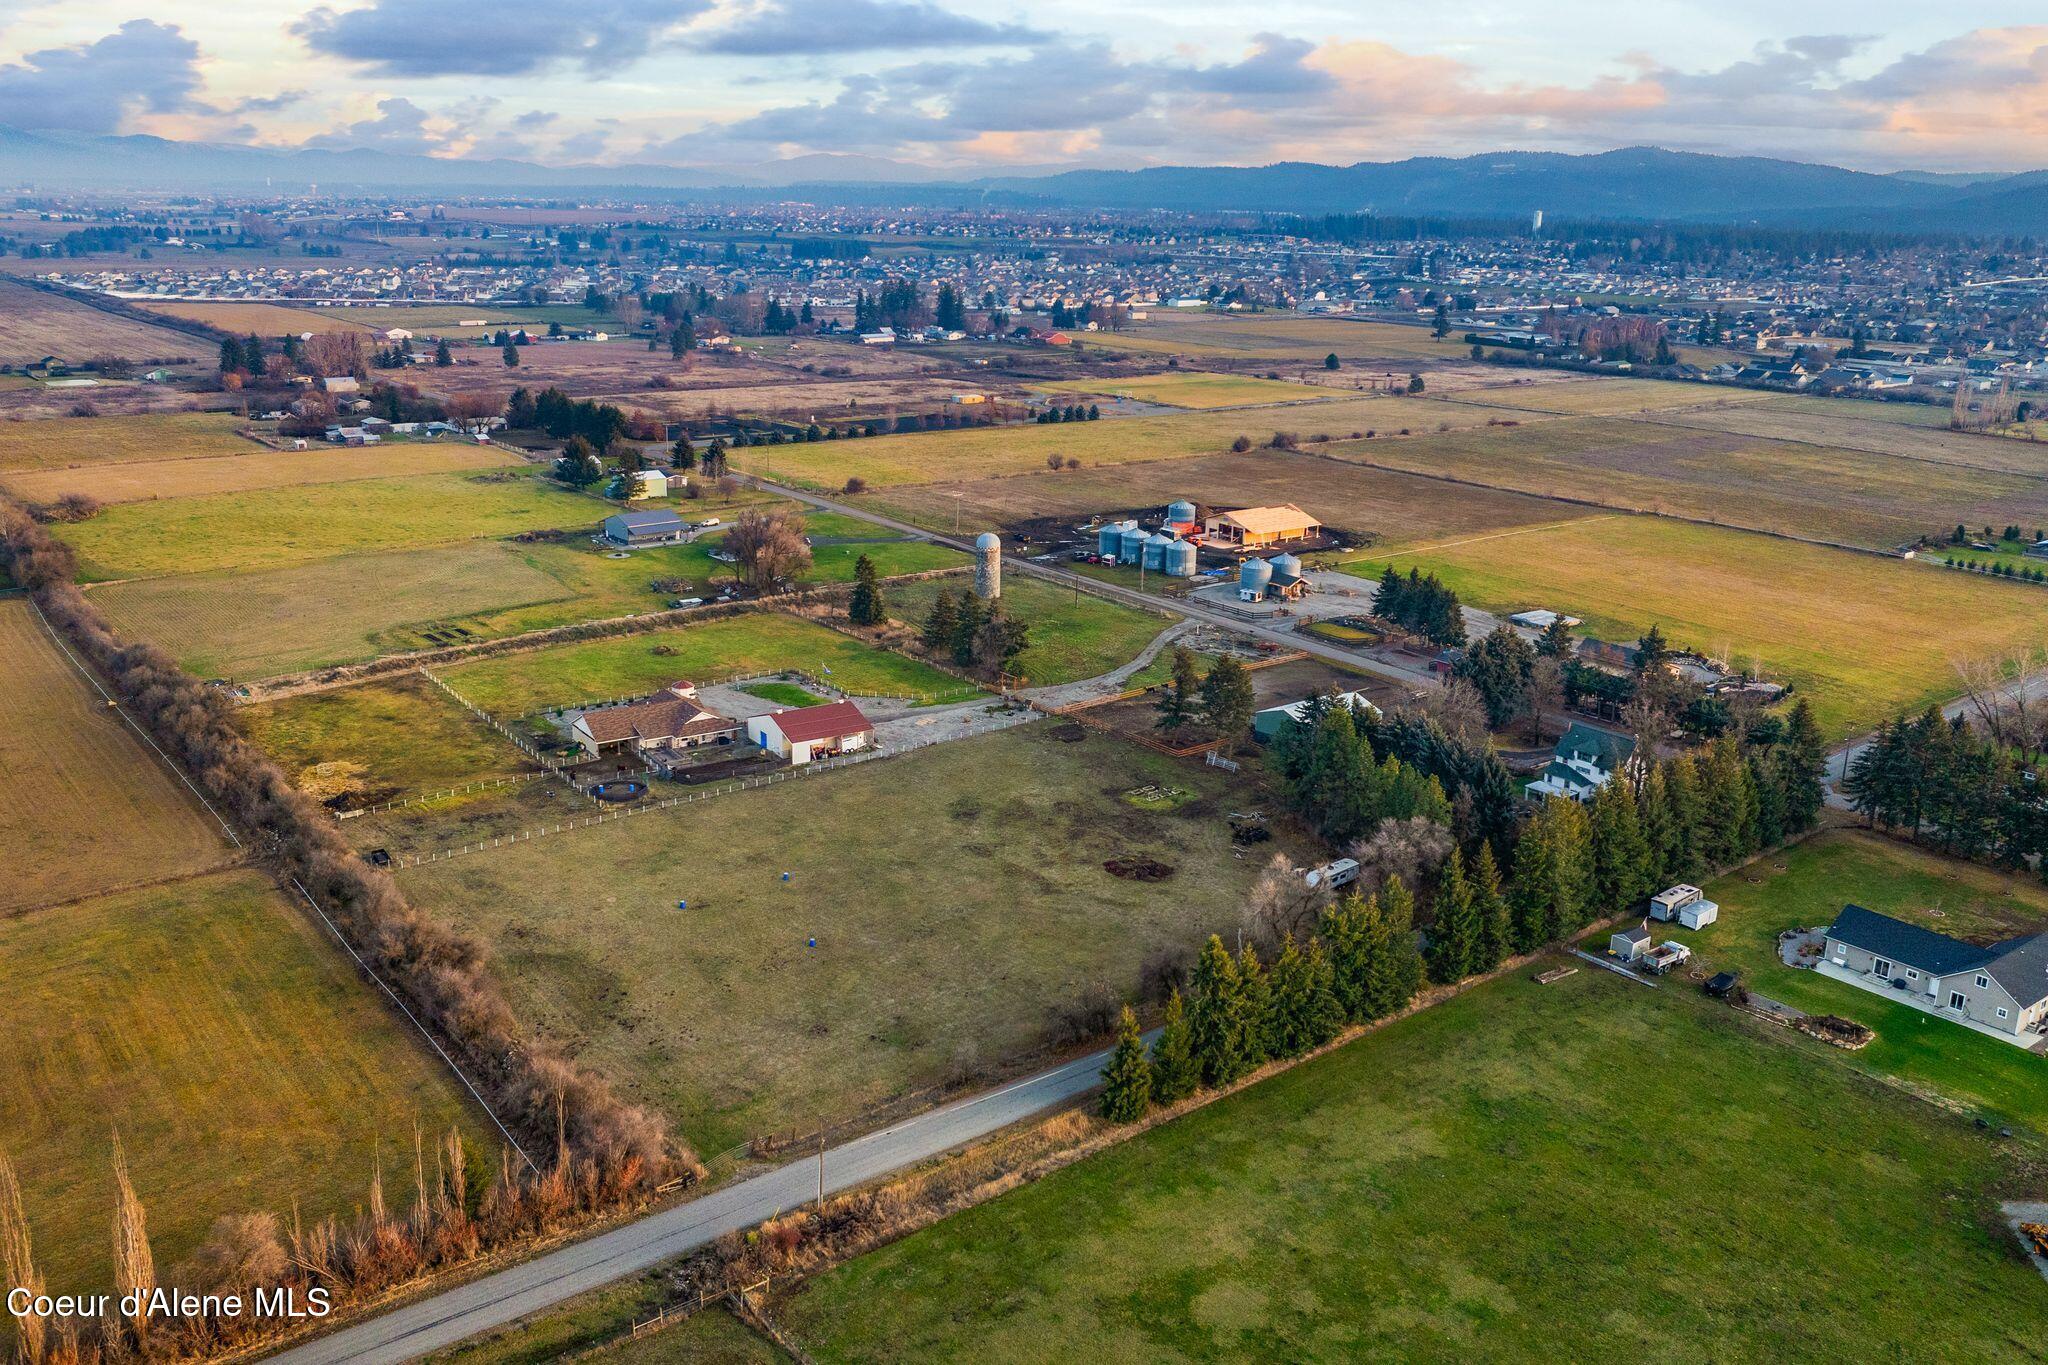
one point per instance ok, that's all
(1422, 605)
(1937, 778)
(974, 634)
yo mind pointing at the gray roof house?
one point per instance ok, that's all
(1583, 761)
(2000, 989)
(645, 528)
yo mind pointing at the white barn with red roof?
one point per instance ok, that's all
(803, 733)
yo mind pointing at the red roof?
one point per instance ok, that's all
(833, 721)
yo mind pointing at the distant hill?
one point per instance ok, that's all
(1631, 183)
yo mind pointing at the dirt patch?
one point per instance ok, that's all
(1068, 733)
(1833, 1029)
(1138, 869)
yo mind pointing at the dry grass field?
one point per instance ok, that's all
(85, 806)
(234, 1050)
(60, 442)
(801, 398)
(258, 319)
(1849, 426)
(407, 735)
(946, 931)
(35, 323)
(1600, 397)
(145, 480)
(1276, 336)
(1198, 390)
(258, 624)
(1861, 637)
(1393, 506)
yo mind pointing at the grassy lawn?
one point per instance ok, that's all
(957, 894)
(1861, 637)
(1588, 1171)
(239, 472)
(783, 694)
(758, 642)
(1811, 883)
(1197, 390)
(1072, 635)
(407, 734)
(231, 1046)
(267, 528)
(53, 443)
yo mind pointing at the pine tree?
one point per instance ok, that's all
(1177, 699)
(1175, 1072)
(939, 624)
(1654, 818)
(1255, 1020)
(1321, 1018)
(1228, 699)
(969, 617)
(1621, 856)
(1290, 1002)
(1343, 928)
(1490, 907)
(1534, 884)
(1573, 844)
(1682, 781)
(1804, 761)
(1397, 970)
(1127, 1077)
(443, 357)
(866, 607)
(1454, 939)
(1214, 1031)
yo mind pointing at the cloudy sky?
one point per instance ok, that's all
(963, 84)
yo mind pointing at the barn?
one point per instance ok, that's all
(803, 733)
(644, 528)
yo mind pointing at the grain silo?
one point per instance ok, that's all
(1180, 513)
(1156, 547)
(1109, 541)
(1131, 548)
(1287, 566)
(1253, 578)
(1180, 559)
(988, 566)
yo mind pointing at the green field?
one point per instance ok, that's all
(1588, 1171)
(957, 894)
(629, 666)
(1198, 390)
(1861, 637)
(1809, 884)
(53, 443)
(1073, 635)
(271, 527)
(407, 734)
(193, 476)
(233, 1049)
(711, 1336)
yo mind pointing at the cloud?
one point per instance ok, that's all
(426, 38)
(400, 126)
(788, 28)
(143, 67)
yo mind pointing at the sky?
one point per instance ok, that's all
(962, 86)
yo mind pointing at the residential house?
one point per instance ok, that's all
(2000, 989)
(801, 734)
(1271, 723)
(1583, 761)
(669, 721)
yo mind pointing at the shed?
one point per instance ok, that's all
(801, 734)
(1629, 944)
(1698, 914)
(644, 528)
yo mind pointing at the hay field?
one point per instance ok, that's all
(1196, 390)
(440, 319)
(957, 894)
(338, 610)
(1899, 413)
(1600, 397)
(258, 319)
(1394, 506)
(242, 1061)
(1847, 427)
(1861, 637)
(58, 442)
(35, 323)
(629, 666)
(1276, 336)
(145, 480)
(85, 806)
(270, 527)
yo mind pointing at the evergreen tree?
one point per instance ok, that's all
(1177, 700)
(1322, 1018)
(1556, 641)
(1175, 1072)
(1454, 939)
(1343, 928)
(1490, 909)
(1397, 971)
(510, 355)
(1289, 1032)
(1534, 882)
(1802, 768)
(1682, 781)
(443, 357)
(940, 623)
(970, 616)
(1654, 819)
(1127, 1077)
(866, 607)
(1214, 1032)
(230, 355)
(1255, 1021)
(1228, 699)
(252, 354)
(1622, 871)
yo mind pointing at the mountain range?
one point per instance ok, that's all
(1645, 183)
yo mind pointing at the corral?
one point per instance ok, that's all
(85, 806)
(1860, 636)
(234, 1051)
(956, 895)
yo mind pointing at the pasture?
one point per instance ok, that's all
(1197, 390)
(85, 806)
(1277, 337)
(271, 527)
(407, 735)
(1806, 886)
(947, 930)
(1598, 397)
(511, 685)
(234, 1050)
(1850, 426)
(1453, 1186)
(1073, 635)
(146, 480)
(1861, 637)
(35, 323)
(258, 319)
(59, 442)
(231, 624)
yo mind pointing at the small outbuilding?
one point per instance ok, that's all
(1698, 914)
(801, 734)
(645, 528)
(1629, 944)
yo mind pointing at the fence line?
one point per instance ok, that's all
(703, 794)
(480, 784)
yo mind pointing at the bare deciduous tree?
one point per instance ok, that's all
(1411, 849)
(1280, 904)
(769, 547)
(18, 1264)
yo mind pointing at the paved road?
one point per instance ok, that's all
(1415, 677)
(2032, 688)
(435, 1323)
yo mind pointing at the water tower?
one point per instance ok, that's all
(988, 566)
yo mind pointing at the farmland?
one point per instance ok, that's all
(1277, 337)
(235, 1052)
(35, 323)
(1072, 635)
(1196, 390)
(1850, 426)
(955, 893)
(1608, 397)
(407, 735)
(758, 642)
(259, 319)
(1809, 884)
(84, 806)
(54, 443)
(1450, 1187)
(141, 480)
(266, 528)
(1859, 636)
